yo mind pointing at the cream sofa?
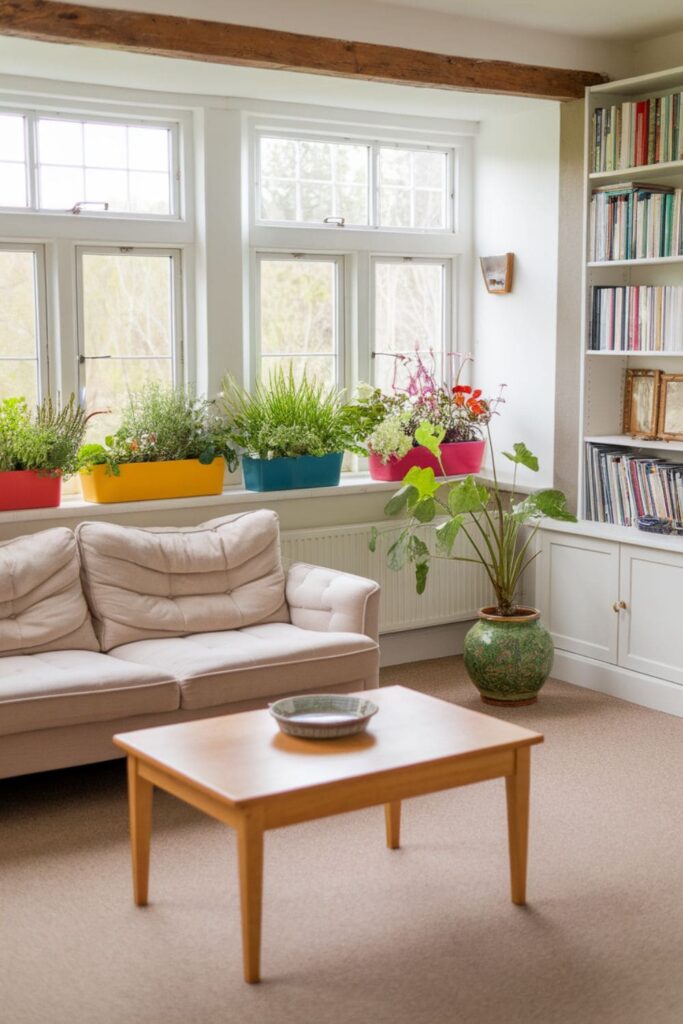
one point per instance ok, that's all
(115, 628)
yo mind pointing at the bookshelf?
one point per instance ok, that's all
(604, 369)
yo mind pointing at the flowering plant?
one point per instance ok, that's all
(459, 410)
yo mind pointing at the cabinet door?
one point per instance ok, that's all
(578, 584)
(651, 624)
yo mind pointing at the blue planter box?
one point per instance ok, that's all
(286, 474)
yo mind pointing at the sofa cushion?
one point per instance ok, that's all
(42, 606)
(255, 662)
(41, 691)
(167, 582)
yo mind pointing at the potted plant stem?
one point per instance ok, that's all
(508, 653)
(38, 449)
(170, 444)
(292, 433)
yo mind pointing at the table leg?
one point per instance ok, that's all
(140, 817)
(517, 791)
(250, 857)
(392, 821)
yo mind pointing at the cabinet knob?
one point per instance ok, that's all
(619, 606)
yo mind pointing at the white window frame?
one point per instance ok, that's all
(340, 311)
(31, 117)
(447, 313)
(177, 323)
(42, 357)
(375, 142)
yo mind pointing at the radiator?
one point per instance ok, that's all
(455, 590)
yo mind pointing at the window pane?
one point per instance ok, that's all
(126, 166)
(128, 317)
(305, 181)
(320, 368)
(413, 188)
(12, 161)
(18, 326)
(298, 315)
(409, 314)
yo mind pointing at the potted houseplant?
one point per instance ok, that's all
(38, 449)
(170, 444)
(508, 653)
(459, 410)
(292, 433)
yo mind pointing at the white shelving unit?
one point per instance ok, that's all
(611, 595)
(603, 373)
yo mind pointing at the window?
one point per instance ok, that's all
(411, 306)
(13, 184)
(21, 273)
(86, 166)
(299, 315)
(312, 181)
(129, 327)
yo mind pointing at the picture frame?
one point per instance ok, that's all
(497, 273)
(670, 407)
(641, 403)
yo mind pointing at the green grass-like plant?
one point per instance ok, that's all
(286, 417)
(163, 424)
(46, 439)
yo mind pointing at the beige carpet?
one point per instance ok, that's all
(354, 932)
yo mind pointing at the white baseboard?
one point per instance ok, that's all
(422, 644)
(648, 691)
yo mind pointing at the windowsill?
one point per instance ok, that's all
(73, 505)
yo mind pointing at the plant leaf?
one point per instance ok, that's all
(523, 457)
(430, 437)
(446, 534)
(417, 548)
(406, 495)
(550, 503)
(374, 534)
(423, 481)
(425, 510)
(397, 555)
(421, 570)
(467, 496)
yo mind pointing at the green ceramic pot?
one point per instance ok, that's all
(508, 658)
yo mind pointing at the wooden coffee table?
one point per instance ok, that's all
(241, 770)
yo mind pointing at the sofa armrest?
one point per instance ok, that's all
(327, 600)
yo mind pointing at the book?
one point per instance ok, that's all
(638, 133)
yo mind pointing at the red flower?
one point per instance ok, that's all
(462, 389)
(459, 400)
(475, 394)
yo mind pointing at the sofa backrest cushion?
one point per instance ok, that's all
(164, 582)
(42, 605)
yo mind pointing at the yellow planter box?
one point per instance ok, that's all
(149, 481)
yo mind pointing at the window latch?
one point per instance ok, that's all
(338, 221)
(77, 207)
(82, 359)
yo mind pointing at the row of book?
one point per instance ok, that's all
(623, 484)
(636, 318)
(638, 132)
(635, 221)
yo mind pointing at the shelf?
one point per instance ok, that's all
(637, 355)
(654, 261)
(635, 442)
(651, 84)
(639, 173)
(612, 531)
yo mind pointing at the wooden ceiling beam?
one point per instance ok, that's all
(165, 35)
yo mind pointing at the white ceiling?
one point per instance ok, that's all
(606, 19)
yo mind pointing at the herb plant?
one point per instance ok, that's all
(160, 424)
(45, 439)
(286, 417)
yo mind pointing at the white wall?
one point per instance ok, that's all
(517, 210)
(658, 54)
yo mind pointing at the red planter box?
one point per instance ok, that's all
(459, 458)
(25, 488)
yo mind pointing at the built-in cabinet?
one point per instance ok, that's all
(617, 604)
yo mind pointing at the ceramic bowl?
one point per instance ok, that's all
(323, 716)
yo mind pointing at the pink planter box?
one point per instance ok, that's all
(459, 458)
(25, 488)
